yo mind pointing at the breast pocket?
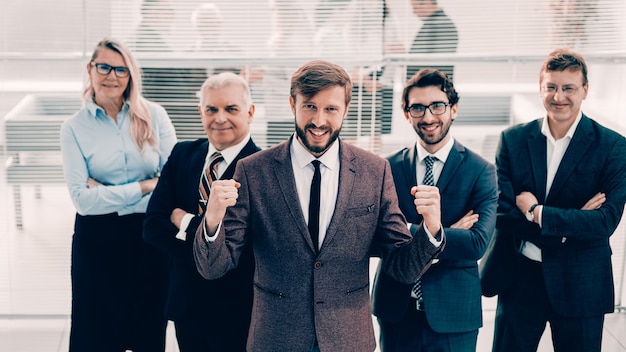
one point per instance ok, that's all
(360, 211)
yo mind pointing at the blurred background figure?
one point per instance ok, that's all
(290, 43)
(113, 151)
(156, 18)
(438, 34)
(373, 84)
(207, 20)
(569, 20)
(175, 88)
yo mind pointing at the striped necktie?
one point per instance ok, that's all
(209, 174)
(429, 180)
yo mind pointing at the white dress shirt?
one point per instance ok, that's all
(555, 151)
(303, 172)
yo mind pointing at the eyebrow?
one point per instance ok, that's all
(432, 102)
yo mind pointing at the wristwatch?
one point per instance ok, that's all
(529, 214)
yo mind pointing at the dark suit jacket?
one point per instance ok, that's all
(300, 295)
(451, 288)
(438, 34)
(578, 272)
(178, 188)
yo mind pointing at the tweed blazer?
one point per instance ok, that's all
(299, 295)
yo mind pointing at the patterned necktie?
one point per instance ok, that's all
(209, 174)
(314, 205)
(429, 180)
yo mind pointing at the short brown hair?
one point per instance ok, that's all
(317, 75)
(565, 59)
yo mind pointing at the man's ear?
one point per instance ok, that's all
(292, 103)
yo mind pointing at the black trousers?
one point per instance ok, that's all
(119, 286)
(524, 309)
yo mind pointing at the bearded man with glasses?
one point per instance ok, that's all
(441, 312)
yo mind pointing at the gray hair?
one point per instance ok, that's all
(223, 79)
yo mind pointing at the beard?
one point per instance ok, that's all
(315, 150)
(433, 139)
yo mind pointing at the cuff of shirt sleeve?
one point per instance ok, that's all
(436, 241)
(206, 235)
(184, 224)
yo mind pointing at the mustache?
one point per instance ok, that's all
(312, 126)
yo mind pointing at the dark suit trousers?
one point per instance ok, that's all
(206, 334)
(119, 286)
(524, 309)
(413, 333)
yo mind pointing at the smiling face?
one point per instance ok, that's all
(432, 129)
(561, 109)
(108, 88)
(226, 116)
(319, 118)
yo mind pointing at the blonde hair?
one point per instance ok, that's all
(140, 118)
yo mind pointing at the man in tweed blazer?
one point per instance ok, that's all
(449, 314)
(306, 297)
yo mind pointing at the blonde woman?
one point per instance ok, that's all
(113, 151)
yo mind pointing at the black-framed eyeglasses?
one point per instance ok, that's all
(567, 90)
(419, 110)
(104, 69)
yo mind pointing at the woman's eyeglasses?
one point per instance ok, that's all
(104, 69)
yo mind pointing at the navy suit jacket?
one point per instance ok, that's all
(178, 188)
(450, 288)
(301, 294)
(577, 271)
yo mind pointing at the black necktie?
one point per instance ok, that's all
(429, 180)
(314, 205)
(209, 174)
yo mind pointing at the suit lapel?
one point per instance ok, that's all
(347, 174)
(581, 140)
(538, 161)
(283, 172)
(409, 165)
(197, 161)
(248, 149)
(452, 163)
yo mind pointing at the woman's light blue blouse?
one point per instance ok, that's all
(95, 146)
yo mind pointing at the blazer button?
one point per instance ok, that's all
(317, 265)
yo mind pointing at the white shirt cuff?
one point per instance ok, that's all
(211, 238)
(184, 223)
(433, 240)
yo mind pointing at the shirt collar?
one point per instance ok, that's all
(545, 128)
(97, 111)
(229, 154)
(441, 154)
(330, 158)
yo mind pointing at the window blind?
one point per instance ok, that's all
(495, 57)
